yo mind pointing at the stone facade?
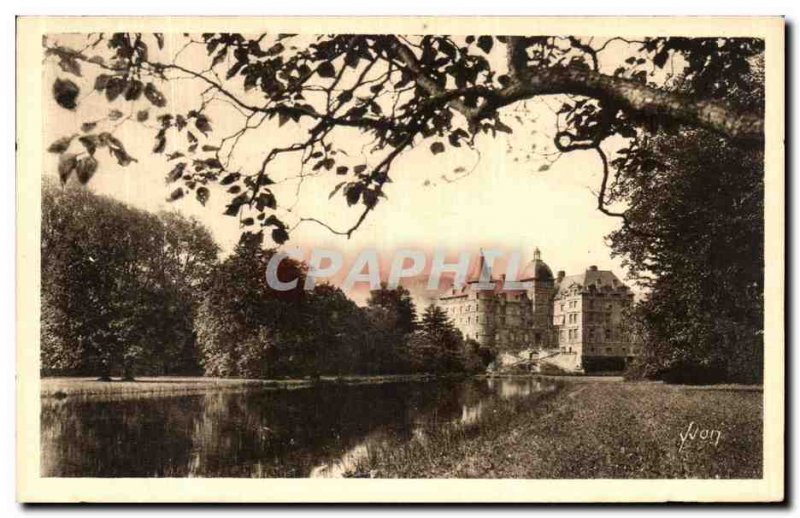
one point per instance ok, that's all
(575, 322)
(588, 315)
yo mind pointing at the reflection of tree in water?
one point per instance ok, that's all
(288, 433)
(259, 433)
(139, 437)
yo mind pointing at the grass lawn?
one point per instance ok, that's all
(594, 430)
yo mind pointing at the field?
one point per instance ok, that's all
(594, 430)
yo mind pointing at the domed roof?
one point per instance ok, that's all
(536, 269)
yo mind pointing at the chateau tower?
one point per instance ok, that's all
(540, 293)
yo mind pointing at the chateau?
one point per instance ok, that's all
(574, 322)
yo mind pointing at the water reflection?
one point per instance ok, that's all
(318, 431)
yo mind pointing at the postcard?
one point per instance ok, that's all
(400, 259)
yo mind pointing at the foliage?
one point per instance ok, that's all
(688, 111)
(119, 285)
(438, 346)
(247, 329)
(698, 246)
(693, 234)
(398, 92)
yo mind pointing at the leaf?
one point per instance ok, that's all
(176, 173)
(370, 198)
(233, 208)
(202, 195)
(177, 194)
(545, 167)
(85, 169)
(326, 69)
(279, 235)
(161, 144)
(500, 126)
(134, 91)
(437, 147)
(90, 142)
(101, 81)
(155, 97)
(114, 115)
(247, 222)
(88, 126)
(69, 64)
(60, 145)
(345, 96)
(123, 158)
(159, 39)
(114, 87)
(341, 169)
(660, 59)
(360, 168)
(485, 43)
(353, 192)
(266, 200)
(229, 179)
(65, 92)
(66, 164)
(203, 124)
(142, 115)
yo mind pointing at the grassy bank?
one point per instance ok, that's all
(62, 387)
(592, 430)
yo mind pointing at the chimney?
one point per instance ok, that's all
(593, 268)
(560, 276)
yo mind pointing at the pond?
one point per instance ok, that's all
(318, 431)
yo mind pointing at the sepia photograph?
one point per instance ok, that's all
(400, 250)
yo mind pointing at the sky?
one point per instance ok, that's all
(511, 192)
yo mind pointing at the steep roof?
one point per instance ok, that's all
(591, 277)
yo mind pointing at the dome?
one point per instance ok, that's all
(536, 269)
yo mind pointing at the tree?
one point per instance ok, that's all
(693, 235)
(393, 307)
(437, 346)
(343, 338)
(698, 247)
(118, 285)
(392, 93)
(395, 92)
(392, 317)
(245, 328)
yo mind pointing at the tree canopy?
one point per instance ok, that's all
(119, 286)
(396, 92)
